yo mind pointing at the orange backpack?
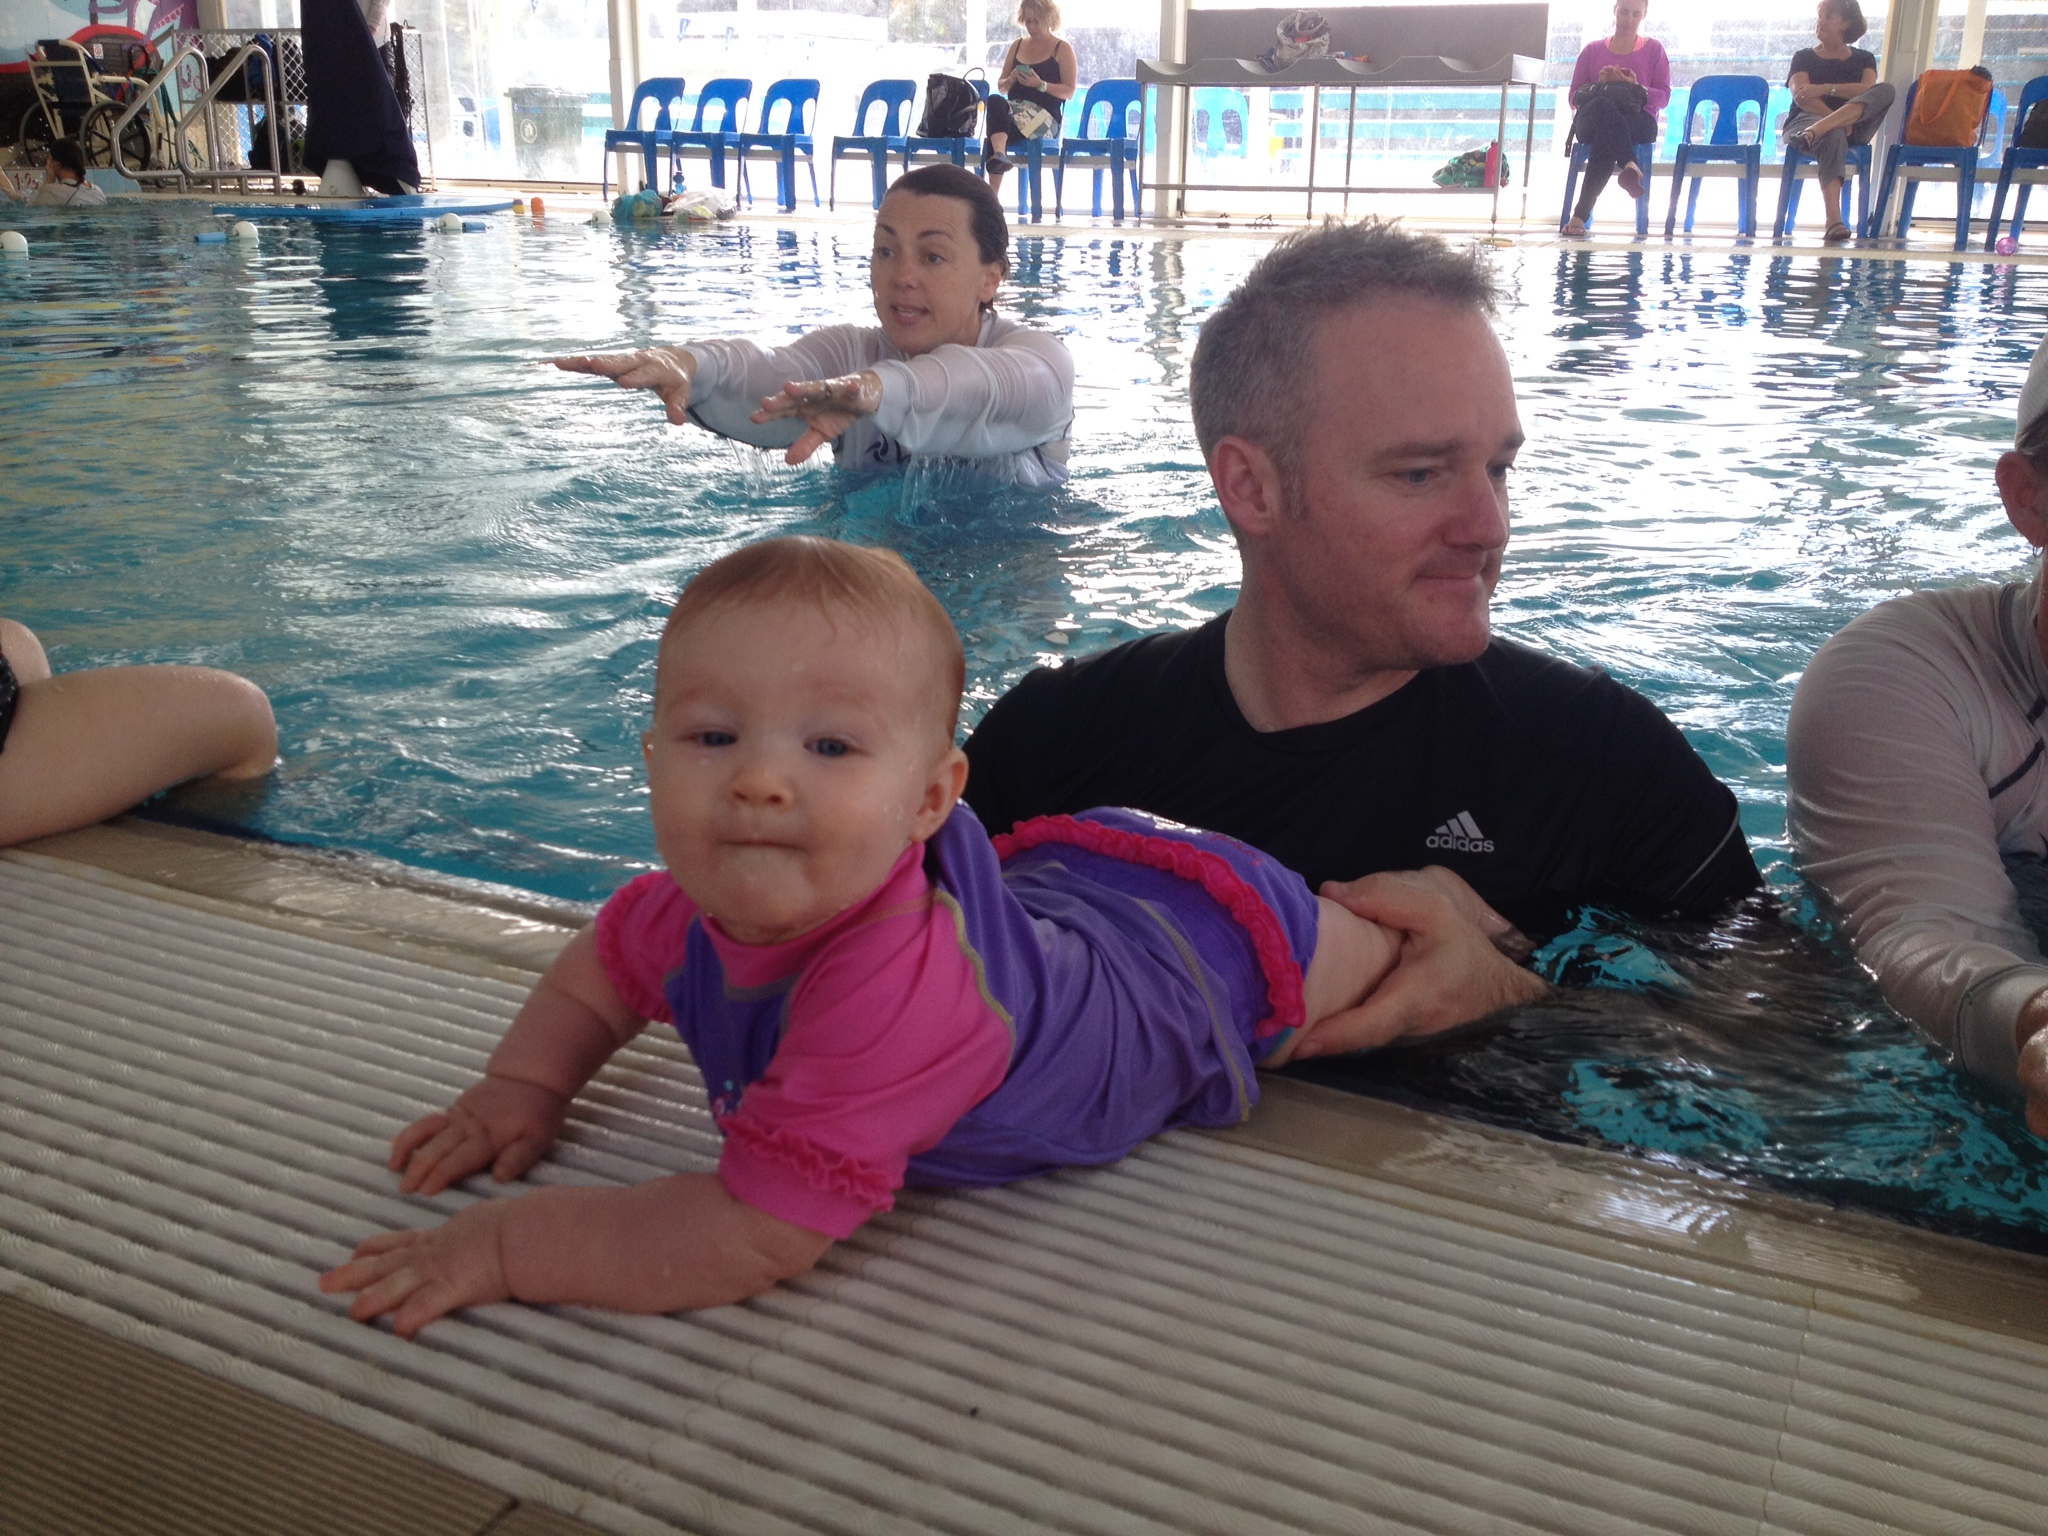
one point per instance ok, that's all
(1949, 108)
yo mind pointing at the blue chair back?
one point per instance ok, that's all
(1117, 99)
(1210, 105)
(894, 98)
(797, 98)
(727, 95)
(2034, 90)
(1776, 111)
(1992, 139)
(661, 91)
(1726, 96)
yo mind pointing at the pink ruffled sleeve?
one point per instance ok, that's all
(891, 1039)
(641, 936)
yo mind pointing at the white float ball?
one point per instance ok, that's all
(450, 223)
(13, 243)
(243, 230)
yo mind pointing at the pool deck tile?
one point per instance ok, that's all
(100, 1437)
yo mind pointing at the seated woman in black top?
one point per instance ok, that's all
(1837, 100)
(1038, 76)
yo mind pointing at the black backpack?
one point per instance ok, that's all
(2034, 131)
(952, 108)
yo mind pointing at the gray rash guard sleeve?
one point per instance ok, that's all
(1915, 764)
(1008, 400)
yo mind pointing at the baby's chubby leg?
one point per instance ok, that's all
(1352, 955)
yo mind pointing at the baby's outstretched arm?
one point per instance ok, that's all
(569, 1026)
(669, 1246)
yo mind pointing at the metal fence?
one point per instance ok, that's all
(234, 120)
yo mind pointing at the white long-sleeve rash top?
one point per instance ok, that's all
(1007, 401)
(1916, 764)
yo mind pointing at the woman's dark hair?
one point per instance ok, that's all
(1850, 14)
(65, 152)
(984, 208)
(2033, 441)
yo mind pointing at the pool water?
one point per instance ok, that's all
(334, 465)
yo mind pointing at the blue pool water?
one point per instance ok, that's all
(333, 465)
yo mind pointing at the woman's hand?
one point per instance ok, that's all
(424, 1275)
(501, 1123)
(829, 406)
(665, 370)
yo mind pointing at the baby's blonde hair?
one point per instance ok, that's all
(871, 584)
(1044, 10)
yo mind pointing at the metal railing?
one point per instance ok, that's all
(180, 120)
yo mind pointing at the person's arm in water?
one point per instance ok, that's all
(954, 401)
(87, 745)
(1891, 814)
(676, 1243)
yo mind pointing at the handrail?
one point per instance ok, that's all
(236, 65)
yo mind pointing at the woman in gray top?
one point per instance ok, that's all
(942, 376)
(1917, 769)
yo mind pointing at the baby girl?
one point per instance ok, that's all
(875, 991)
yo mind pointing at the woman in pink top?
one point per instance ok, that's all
(1619, 86)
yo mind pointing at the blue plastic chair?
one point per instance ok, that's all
(799, 99)
(1961, 158)
(1776, 111)
(1115, 150)
(2017, 158)
(955, 148)
(1646, 155)
(1028, 156)
(894, 98)
(1858, 164)
(658, 93)
(1727, 95)
(721, 101)
(1211, 104)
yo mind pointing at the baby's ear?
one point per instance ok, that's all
(646, 745)
(941, 793)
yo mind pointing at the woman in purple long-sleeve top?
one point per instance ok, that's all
(1612, 121)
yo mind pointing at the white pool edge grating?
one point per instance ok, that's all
(193, 1110)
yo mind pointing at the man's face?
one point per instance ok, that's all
(1392, 542)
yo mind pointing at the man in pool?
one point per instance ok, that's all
(1917, 779)
(1353, 716)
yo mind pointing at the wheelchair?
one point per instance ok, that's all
(83, 88)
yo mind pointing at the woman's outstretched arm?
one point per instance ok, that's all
(87, 745)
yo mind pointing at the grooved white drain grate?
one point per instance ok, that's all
(193, 1115)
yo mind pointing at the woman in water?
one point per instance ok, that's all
(64, 182)
(943, 376)
(80, 746)
(1837, 100)
(1038, 78)
(1619, 86)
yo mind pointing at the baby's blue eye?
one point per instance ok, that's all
(830, 746)
(715, 738)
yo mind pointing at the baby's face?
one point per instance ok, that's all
(793, 759)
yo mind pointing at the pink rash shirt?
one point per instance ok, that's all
(887, 1037)
(1652, 69)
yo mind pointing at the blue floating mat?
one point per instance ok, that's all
(365, 210)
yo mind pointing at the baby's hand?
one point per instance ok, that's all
(501, 1123)
(424, 1275)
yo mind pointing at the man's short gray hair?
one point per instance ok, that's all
(1253, 368)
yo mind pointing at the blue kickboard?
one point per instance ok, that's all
(365, 210)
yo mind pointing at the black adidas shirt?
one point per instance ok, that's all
(1545, 785)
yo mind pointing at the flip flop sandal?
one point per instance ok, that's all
(1835, 234)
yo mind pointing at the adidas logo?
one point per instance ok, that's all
(1460, 833)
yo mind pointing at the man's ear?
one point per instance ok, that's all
(1249, 484)
(2024, 490)
(941, 793)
